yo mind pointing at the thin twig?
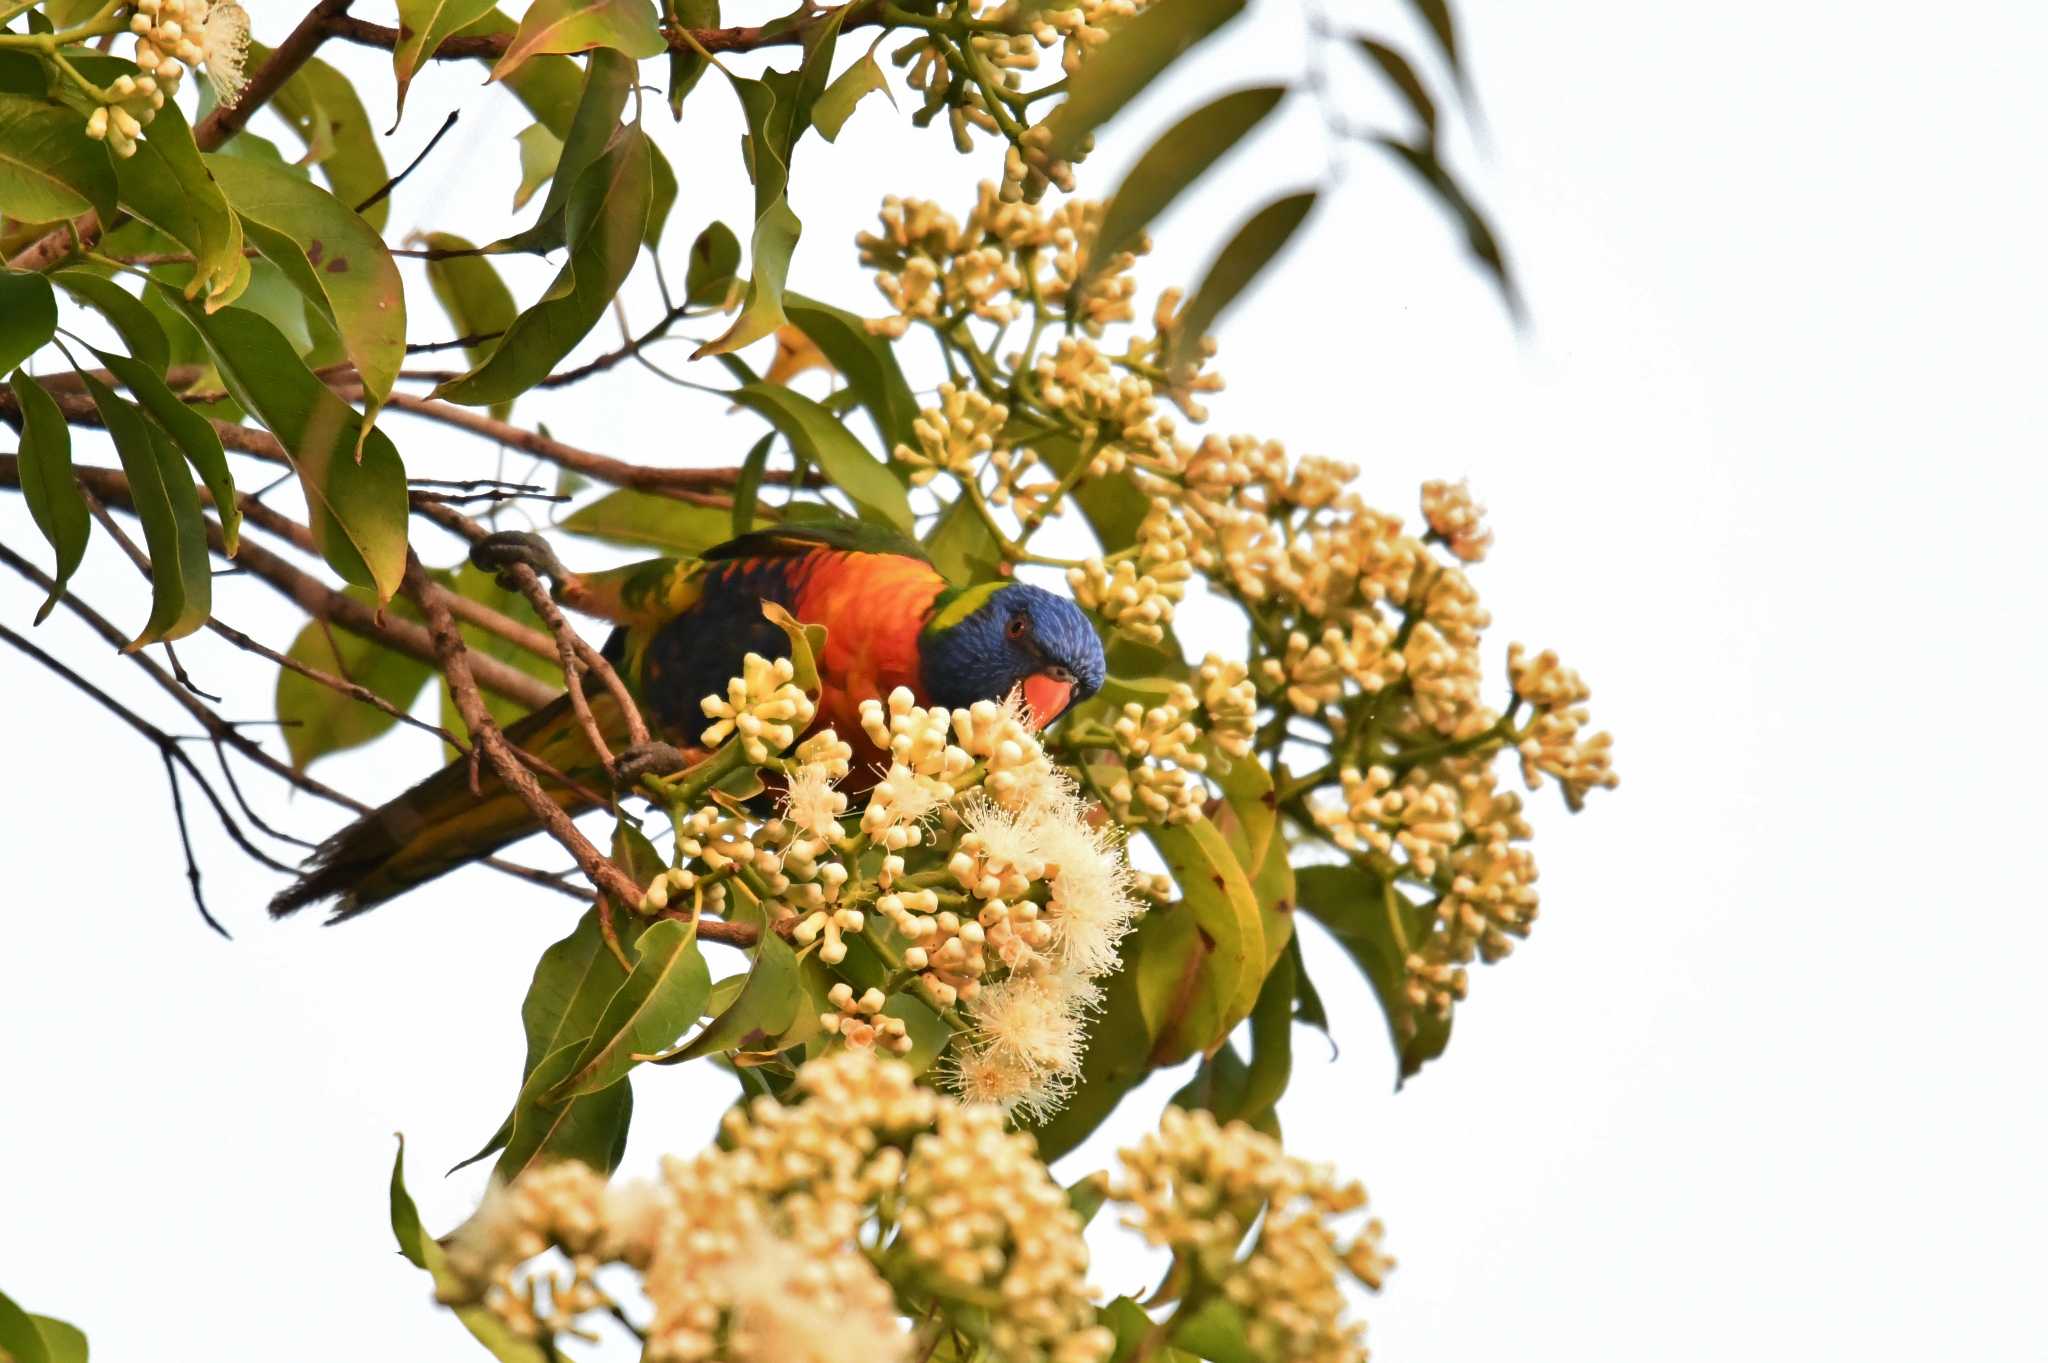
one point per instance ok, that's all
(385, 189)
(491, 46)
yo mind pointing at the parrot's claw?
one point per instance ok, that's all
(647, 759)
(499, 552)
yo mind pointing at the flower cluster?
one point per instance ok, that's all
(1198, 1189)
(765, 707)
(1136, 595)
(754, 1250)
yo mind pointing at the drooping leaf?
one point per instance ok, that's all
(763, 1009)
(540, 155)
(1377, 927)
(470, 290)
(660, 1000)
(627, 26)
(573, 982)
(816, 435)
(322, 106)
(62, 1341)
(1218, 893)
(1442, 26)
(423, 25)
(425, 1252)
(714, 261)
(180, 578)
(166, 183)
(317, 719)
(648, 520)
(19, 1338)
(848, 89)
(193, 434)
(1480, 241)
(28, 316)
(685, 65)
(746, 493)
(1138, 50)
(1177, 160)
(606, 85)
(1401, 75)
(1272, 1062)
(54, 502)
(130, 318)
(768, 103)
(359, 505)
(607, 214)
(49, 168)
(336, 260)
(866, 361)
(590, 1128)
(1247, 255)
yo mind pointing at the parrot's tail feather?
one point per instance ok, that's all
(441, 823)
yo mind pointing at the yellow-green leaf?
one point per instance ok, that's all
(323, 108)
(166, 183)
(138, 329)
(659, 1001)
(319, 720)
(763, 1009)
(1177, 160)
(540, 153)
(28, 316)
(423, 25)
(180, 577)
(1138, 50)
(648, 520)
(425, 1252)
(627, 26)
(848, 89)
(1240, 262)
(591, 130)
(193, 434)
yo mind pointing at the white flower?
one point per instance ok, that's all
(764, 706)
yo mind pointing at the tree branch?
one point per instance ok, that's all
(491, 46)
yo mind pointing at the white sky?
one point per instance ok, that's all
(1766, 468)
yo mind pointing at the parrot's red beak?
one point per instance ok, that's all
(1046, 697)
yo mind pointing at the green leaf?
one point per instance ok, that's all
(1114, 507)
(323, 108)
(64, 1342)
(647, 519)
(573, 982)
(1177, 160)
(865, 360)
(130, 318)
(49, 168)
(1246, 257)
(1086, 1196)
(473, 295)
(28, 316)
(540, 153)
(816, 435)
(20, 1341)
(591, 130)
(47, 485)
(746, 493)
(763, 1009)
(851, 86)
(962, 547)
(181, 579)
(627, 26)
(776, 117)
(1480, 241)
(1219, 896)
(1138, 50)
(591, 1129)
(714, 262)
(1376, 926)
(359, 505)
(415, 1244)
(1437, 14)
(1401, 75)
(166, 184)
(1216, 1332)
(660, 1000)
(547, 86)
(685, 66)
(607, 214)
(1272, 1063)
(194, 435)
(319, 720)
(336, 260)
(423, 25)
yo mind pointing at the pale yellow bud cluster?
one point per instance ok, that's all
(924, 767)
(1018, 773)
(1418, 815)
(1188, 376)
(1198, 1189)
(1311, 674)
(171, 35)
(860, 1023)
(1121, 422)
(1553, 741)
(1444, 678)
(1493, 897)
(1137, 597)
(135, 102)
(1162, 781)
(1456, 519)
(980, 1210)
(1230, 701)
(764, 706)
(954, 437)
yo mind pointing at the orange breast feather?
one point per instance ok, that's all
(872, 607)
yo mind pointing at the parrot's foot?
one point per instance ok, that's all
(647, 759)
(498, 553)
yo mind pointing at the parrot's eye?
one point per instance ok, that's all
(1020, 625)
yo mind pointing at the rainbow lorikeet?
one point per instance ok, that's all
(684, 628)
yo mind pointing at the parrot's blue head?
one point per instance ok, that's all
(985, 642)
